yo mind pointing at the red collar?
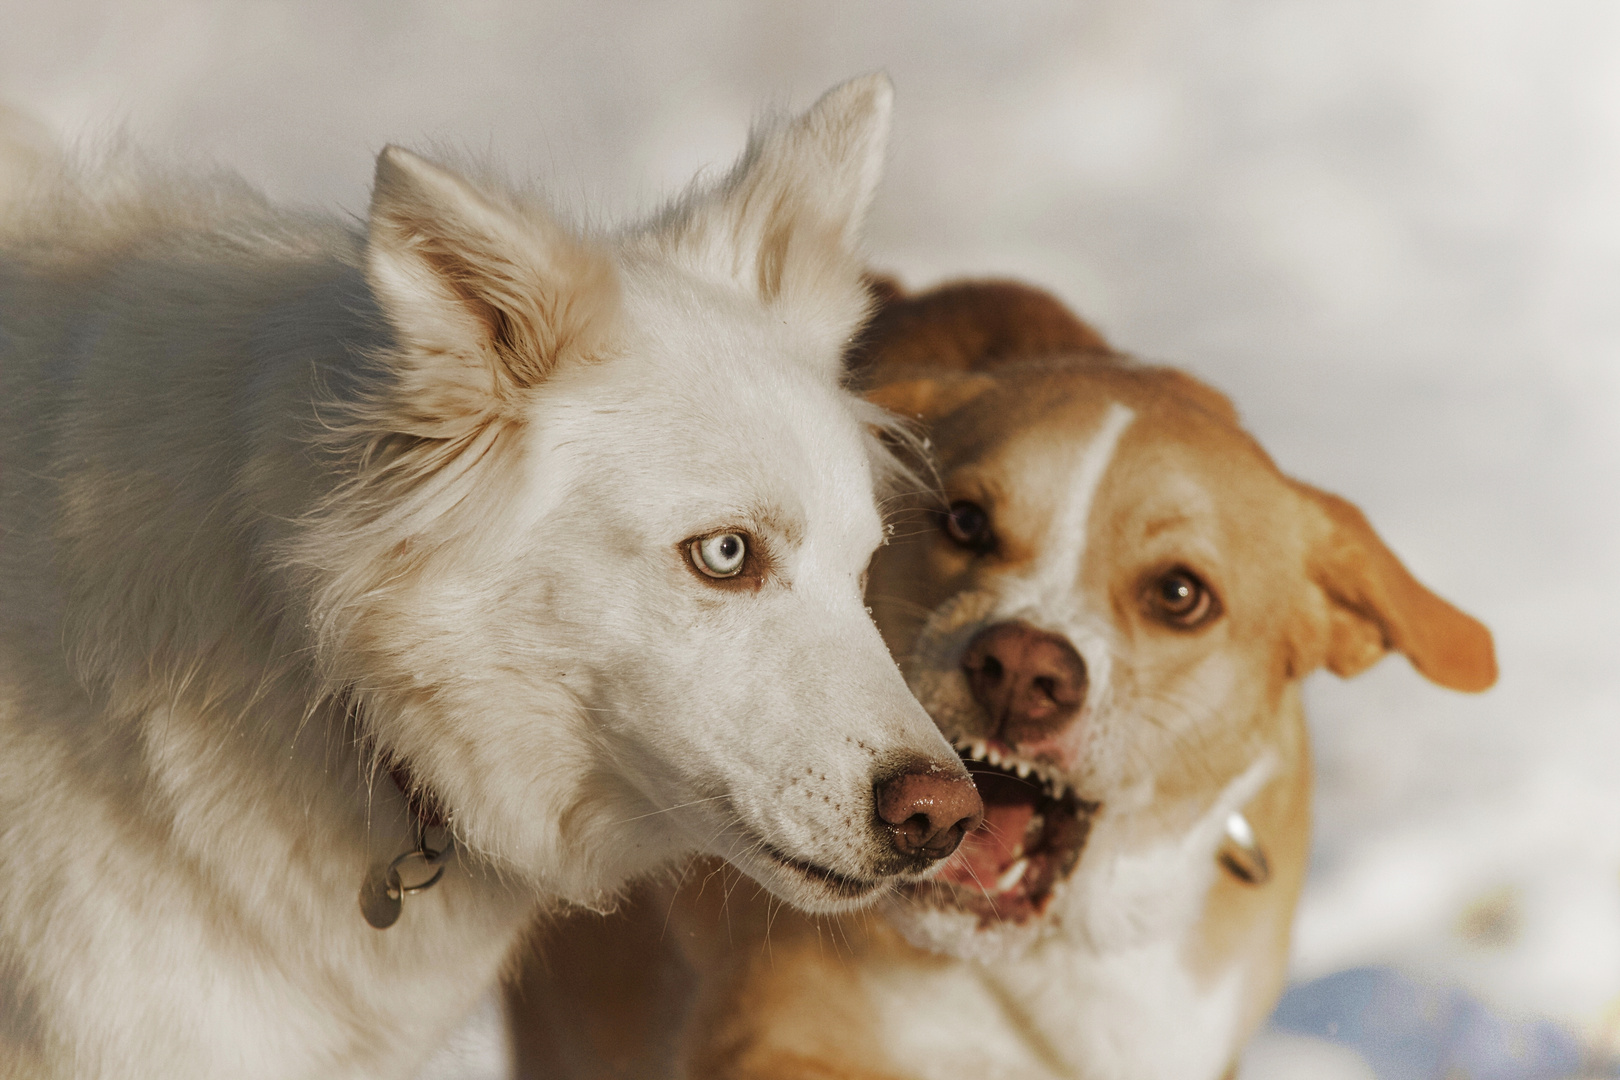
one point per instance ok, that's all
(423, 804)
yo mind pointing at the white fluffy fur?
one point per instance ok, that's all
(281, 498)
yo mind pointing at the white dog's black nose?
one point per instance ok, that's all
(1030, 682)
(927, 809)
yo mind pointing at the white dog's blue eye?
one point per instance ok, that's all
(720, 555)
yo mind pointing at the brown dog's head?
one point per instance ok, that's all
(1108, 611)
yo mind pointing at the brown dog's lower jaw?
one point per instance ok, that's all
(1035, 828)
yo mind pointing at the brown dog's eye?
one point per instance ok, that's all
(968, 525)
(1180, 599)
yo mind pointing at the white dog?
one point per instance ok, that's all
(321, 546)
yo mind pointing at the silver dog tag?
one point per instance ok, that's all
(1240, 852)
(381, 898)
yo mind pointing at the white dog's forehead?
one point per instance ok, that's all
(709, 423)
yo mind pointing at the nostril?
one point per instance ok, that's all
(928, 809)
(918, 835)
(914, 832)
(1029, 682)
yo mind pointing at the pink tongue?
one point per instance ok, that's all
(987, 851)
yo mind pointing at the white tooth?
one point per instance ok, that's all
(1023, 768)
(1058, 788)
(1012, 875)
(977, 749)
(992, 755)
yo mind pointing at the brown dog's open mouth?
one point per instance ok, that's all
(1034, 829)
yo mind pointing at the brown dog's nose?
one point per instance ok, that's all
(1030, 682)
(928, 809)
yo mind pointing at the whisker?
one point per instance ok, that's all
(668, 810)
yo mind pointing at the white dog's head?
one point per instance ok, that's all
(596, 577)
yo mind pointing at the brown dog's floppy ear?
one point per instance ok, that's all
(884, 289)
(1199, 393)
(929, 399)
(1375, 605)
(484, 298)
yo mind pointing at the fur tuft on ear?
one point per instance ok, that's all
(969, 326)
(785, 221)
(485, 297)
(929, 399)
(1375, 605)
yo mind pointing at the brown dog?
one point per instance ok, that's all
(1109, 614)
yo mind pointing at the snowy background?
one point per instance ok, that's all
(1389, 228)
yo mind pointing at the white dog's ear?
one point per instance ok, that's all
(485, 297)
(785, 222)
(1374, 605)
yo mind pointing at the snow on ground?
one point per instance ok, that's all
(1390, 228)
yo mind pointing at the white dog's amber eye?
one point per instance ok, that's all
(721, 555)
(1180, 599)
(968, 524)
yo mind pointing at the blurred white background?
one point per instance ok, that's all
(1389, 228)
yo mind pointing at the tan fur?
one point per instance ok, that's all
(1183, 720)
(967, 325)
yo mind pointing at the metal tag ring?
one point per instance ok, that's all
(397, 887)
